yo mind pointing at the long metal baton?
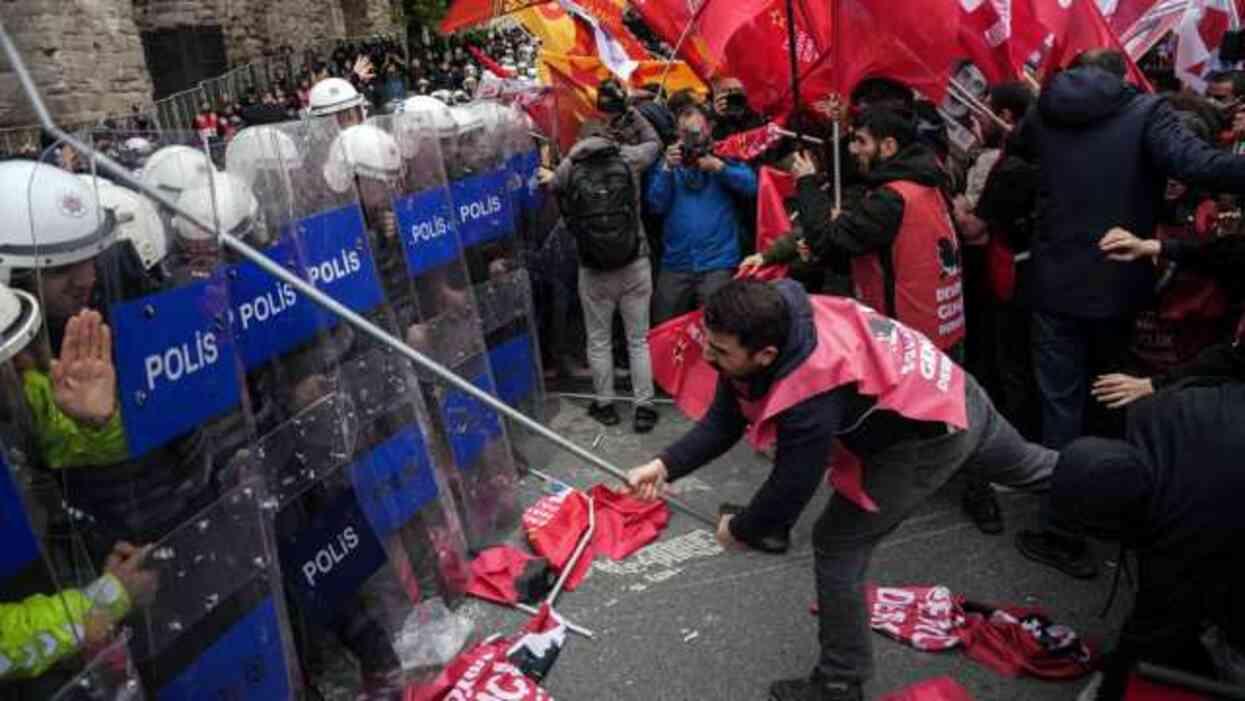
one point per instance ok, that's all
(278, 271)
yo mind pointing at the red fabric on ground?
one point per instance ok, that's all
(937, 689)
(494, 571)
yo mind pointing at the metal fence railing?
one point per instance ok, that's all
(178, 111)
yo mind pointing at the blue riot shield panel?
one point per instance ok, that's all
(485, 204)
(367, 536)
(136, 401)
(441, 320)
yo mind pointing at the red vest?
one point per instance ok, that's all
(886, 360)
(929, 296)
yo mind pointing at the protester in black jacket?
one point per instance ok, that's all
(1171, 492)
(1105, 151)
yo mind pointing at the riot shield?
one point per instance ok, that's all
(485, 208)
(138, 407)
(370, 547)
(53, 617)
(445, 325)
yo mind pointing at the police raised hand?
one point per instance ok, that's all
(84, 381)
(648, 481)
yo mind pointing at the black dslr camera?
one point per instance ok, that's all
(693, 148)
(736, 105)
(611, 97)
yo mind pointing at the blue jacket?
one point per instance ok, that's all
(701, 225)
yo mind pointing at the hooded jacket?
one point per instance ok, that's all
(1105, 151)
(1172, 493)
(871, 226)
(805, 432)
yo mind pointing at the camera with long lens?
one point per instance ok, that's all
(611, 98)
(692, 147)
(736, 105)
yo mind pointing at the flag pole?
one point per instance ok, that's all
(674, 53)
(795, 70)
(838, 169)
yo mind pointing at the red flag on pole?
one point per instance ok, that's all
(469, 13)
(1077, 26)
(489, 64)
(913, 43)
(773, 189)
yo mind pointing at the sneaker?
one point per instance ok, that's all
(815, 688)
(645, 419)
(774, 543)
(982, 506)
(1066, 554)
(605, 414)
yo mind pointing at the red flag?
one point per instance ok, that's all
(489, 64)
(624, 524)
(679, 367)
(748, 145)
(744, 39)
(495, 571)
(911, 42)
(1077, 26)
(468, 13)
(773, 188)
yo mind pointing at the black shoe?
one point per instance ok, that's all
(645, 419)
(814, 688)
(1068, 555)
(982, 506)
(604, 413)
(774, 543)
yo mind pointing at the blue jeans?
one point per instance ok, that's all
(1068, 354)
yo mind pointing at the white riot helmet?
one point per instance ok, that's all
(333, 95)
(19, 321)
(51, 218)
(443, 95)
(421, 113)
(467, 120)
(173, 169)
(138, 220)
(363, 150)
(225, 201)
(261, 148)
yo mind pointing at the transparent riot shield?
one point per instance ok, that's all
(371, 550)
(444, 324)
(137, 401)
(484, 205)
(53, 618)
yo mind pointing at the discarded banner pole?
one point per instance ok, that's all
(315, 294)
(533, 611)
(578, 553)
(838, 168)
(966, 98)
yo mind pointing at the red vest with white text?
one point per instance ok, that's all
(900, 367)
(929, 294)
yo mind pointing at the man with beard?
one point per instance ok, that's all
(822, 379)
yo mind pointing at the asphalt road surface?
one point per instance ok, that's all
(683, 619)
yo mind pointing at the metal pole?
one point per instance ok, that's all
(533, 611)
(1190, 681)
(838, 168)
(572, 563)
(278, 271)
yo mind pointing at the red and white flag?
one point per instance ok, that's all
(1200, 35)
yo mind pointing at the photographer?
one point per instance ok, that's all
(731, 113)
(694, 193)
(627, 125)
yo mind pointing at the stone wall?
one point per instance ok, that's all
(84, 55)
(87, 55)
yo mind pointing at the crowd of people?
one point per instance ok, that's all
(1048, 304)
(1079, 258)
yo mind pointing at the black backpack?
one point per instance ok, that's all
(599, 207)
